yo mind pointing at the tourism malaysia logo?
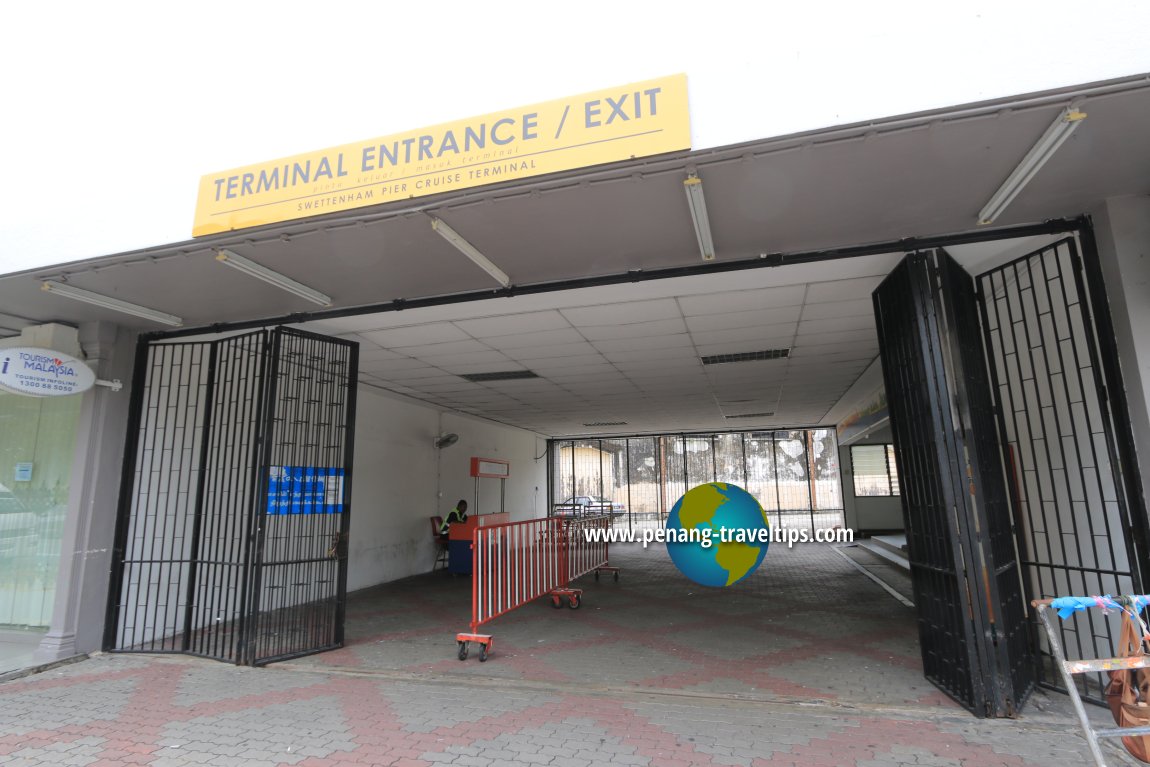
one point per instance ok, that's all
(42, 372)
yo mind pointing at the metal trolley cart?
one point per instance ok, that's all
(1130, 606)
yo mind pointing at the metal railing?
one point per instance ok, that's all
(519, 562)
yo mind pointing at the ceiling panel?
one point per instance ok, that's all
(469, 358)
(756, 318)
(623, 313)
(742, 300)
(678, 341)
(634, 330)
(513, 323)
(422, 351)
(515, 341)
(835, 325)
(757, 339)
(528, 353)
(431, 333)
(843, 290)
(862, 307)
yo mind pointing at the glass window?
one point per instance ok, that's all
(874, 470)
(39, 438)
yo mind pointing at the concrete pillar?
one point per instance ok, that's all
(1122, 231)
(85, 552)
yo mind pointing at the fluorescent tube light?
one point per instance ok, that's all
(107, 302)
(251, 268)
(698, 205)
(1057, 133)
(469, 250)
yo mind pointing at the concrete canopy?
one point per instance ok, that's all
(880, 182)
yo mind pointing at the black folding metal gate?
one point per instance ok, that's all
(1075, 527)
(234, 507)
(971, 615)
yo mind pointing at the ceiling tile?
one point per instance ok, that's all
(820, 339)
(622, 313)
(529, 353)
(842, 290)
(754, 339)
(635, 330)
(373, 353)
(823, 311)
(802, 349)
(510, 324)
(752, 319)
(563, 363)
(541, 338)
(470, 358)
(680, 341)
(432, 333)
(410, 373)
(835, 325)
(384, 367)
(742, 300)
(634, 355)
(424, 351)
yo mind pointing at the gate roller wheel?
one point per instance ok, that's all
(573, 602)
(616, 576)
(556, 602)
(596, 575)
(482, 653)
(463, 650)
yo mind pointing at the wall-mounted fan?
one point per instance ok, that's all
(446, 440)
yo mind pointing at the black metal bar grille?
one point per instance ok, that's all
(1070, 509)
(918, 402)
(300, 575)
(202, 567)
(179, 548)
(989, 502)
(217, 614)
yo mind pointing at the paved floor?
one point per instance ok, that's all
(806, 663)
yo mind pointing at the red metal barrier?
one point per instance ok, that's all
(517, 562)
(586, 552)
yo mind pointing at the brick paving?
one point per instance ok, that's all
(805, 663)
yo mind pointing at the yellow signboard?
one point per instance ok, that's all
(637, 120)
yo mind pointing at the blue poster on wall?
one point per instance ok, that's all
(305, 490)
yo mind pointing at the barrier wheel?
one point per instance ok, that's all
(556, 602)
(573, 602)
(616, 576)
(482, 653)
(596, 575)
(463, 650)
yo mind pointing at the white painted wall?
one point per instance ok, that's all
(400, 480)
(1122, 228)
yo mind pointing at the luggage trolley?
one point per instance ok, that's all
(1068, 668)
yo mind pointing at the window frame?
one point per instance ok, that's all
(893, 485)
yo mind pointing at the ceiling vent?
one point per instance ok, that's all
(750, 415)
(766, 354)
(507, 375)
(606, 423)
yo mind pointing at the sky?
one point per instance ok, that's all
(112, 111)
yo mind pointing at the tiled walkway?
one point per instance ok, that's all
(805, 663)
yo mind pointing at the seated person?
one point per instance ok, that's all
(458, 514)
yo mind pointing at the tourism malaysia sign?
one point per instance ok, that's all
(637, 120)
(43, 373)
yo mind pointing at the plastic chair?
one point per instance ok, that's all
(440, 544)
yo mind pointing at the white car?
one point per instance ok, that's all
(588, 506)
